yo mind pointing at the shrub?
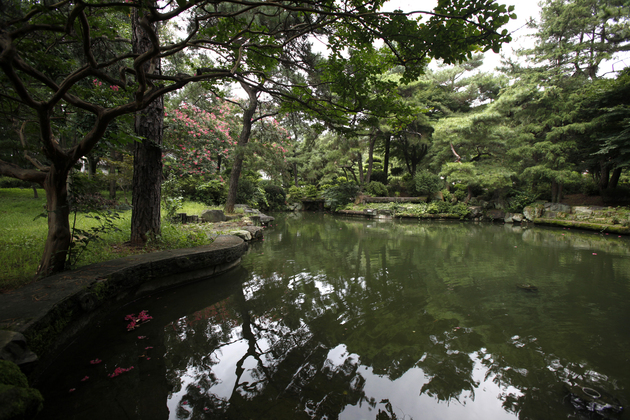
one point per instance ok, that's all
(250, 193)
(396, 187)
(439, 207)
(517, 200)
(276, 197)
(340, 195)
(376, 189)
(426, 183)
(460, 191)
(8, 182)
(310, 192)
(211, 193)
(295, 193)
(378, 176)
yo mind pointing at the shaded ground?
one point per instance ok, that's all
(583, 200)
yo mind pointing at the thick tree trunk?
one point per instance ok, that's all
(388, 140)
(360, 164)
(614, 178)
(58, 239)
(147, 162)
(243, 138)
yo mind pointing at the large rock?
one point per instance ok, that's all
(264, 219)
(255, 231)
(475, 211)
(243, 234)
(495, 214)
(213, 216)
(533, 212)
(13, 348)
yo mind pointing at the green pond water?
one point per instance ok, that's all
(345, 318)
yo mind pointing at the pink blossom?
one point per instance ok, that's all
(115, 88)
(85, 379)
(95, 361)
(119, 371)
(72, 390)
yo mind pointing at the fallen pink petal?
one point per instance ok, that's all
(594, 253)
(85, 379)
(72, 390)
(119, 371)
(95, 361)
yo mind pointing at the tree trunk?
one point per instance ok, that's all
(388, 140)
(147, 162)
(243, 138)
(35, 195)
(604, 175)
(469, 196)
(58, 239)
(360, 164)
(556, 191)
(614, 179)
(370, 159)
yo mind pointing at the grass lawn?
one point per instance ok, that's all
(24, 227)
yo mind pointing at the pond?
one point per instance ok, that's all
(344, 318)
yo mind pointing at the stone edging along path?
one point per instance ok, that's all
(37, 320)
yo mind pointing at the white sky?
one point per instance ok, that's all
(524, 9)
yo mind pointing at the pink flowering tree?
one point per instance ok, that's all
(199, 141)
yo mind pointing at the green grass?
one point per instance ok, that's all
(24, 227)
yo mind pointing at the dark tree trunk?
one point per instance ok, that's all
(35, 195)
(370, 159)
(219, 159)
(147, 162)
(614, 178)
(360, 164)
(92, 164)
(57, 207)
(556, 191)
(388, 140)
(604, 175)
(243, 138)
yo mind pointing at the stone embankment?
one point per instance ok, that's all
(602, 219)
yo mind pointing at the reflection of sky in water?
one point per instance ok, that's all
(403, 393)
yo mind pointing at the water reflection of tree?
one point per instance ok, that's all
(394, 319)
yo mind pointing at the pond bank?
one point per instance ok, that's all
(38, 319)
(596, 218)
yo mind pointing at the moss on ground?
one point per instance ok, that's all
(17, 399)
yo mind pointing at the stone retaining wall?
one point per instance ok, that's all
(53, 310)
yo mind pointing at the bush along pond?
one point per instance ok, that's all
(349, 318)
